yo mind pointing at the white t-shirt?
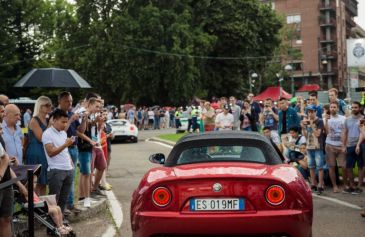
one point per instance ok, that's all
(336, 126)
(224, 120)
(2, 151)
(151, 114)
(61, 161)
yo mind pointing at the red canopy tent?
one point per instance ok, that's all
(309, 87)
(273, 93)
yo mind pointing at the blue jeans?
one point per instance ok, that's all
(315, 159)
(352, 158)
(74, 153)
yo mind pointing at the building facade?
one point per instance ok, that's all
(322, 27)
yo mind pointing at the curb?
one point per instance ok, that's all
(166, 142)
(87, 213)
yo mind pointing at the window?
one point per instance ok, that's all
(222, 153)
(293, 19)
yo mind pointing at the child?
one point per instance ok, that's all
(53, 210)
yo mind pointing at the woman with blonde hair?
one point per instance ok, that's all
(34, 151)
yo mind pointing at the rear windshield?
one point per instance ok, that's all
(117, 123)
(228, 153)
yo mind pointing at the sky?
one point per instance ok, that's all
(360, 19)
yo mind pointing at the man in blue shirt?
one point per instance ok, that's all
(27, 117)
(288, 118)
(12, 133)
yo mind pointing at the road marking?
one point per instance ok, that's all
(343, 203)
(160, 143)
(117, 214)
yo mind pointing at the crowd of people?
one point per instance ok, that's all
(58, 139)
(319, 139)
(326, 142)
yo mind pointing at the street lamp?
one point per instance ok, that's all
(289, 68)
(280, 79)
(252, 75)
(322, 59)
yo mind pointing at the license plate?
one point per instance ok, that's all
(217, 204)
(119, 132)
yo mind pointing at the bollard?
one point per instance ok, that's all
(30, 204)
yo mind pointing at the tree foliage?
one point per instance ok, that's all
(148, 51)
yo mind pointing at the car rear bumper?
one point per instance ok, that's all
(294, 223)
(124, 137)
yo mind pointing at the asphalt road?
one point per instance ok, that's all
(129, 163)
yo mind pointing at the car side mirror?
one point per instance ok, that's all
(157, 158)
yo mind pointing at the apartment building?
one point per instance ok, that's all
(322, 27)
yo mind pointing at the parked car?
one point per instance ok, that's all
(229, 183)
(123, 130)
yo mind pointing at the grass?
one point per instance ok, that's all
(172, 137)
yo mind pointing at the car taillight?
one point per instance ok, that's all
(132, 128)
(275, 195)
(161, 196)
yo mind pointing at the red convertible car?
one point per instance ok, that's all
(222, 184)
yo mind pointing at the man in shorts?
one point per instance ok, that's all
(351, 138)
(312, 129)
(335, 148)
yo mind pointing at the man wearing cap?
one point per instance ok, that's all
(313, 130)
(224, 120)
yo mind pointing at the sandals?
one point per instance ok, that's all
(62, 230)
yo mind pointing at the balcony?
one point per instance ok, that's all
(350, 22)
(330, 40)
(334, 71)
(323, 22)
(330, 55)
(327, 7)
(351, 7)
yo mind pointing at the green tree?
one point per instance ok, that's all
(27, 27)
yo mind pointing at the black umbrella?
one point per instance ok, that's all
(52, 77)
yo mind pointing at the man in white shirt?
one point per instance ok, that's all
(334, 125)
(224, 120)
(236, 112)
(60, 167)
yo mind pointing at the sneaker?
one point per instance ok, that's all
(97, 192)
(357, 191)
(107, 187)
(320, 190)
(314, 188)
(87, 202)
(348, 190)
(66, 212)
(74, 209)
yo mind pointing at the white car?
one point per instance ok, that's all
(123, 130)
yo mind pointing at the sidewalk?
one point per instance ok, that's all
(90, 222)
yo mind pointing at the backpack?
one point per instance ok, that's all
(341, 104)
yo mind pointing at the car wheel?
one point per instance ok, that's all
(133, 139)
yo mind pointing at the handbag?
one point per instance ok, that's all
(83, 145)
